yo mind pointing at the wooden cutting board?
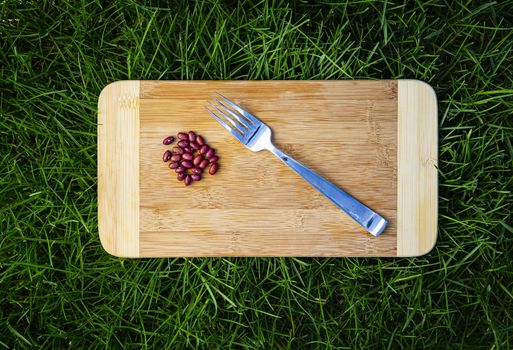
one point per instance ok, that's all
(378, 140)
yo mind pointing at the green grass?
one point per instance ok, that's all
(59, 289)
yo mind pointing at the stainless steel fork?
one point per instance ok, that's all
(256, 136)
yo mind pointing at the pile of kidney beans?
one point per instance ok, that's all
(190, 157)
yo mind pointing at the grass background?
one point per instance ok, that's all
(59, 289)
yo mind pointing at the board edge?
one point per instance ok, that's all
(118, 168)
(417, 161)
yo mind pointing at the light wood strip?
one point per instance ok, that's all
(417, 192)
(118, 168)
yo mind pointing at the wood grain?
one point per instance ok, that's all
(375, 139)
(118, 168)
(417, 173)
(256, 206)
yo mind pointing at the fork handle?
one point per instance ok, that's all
(367, 218)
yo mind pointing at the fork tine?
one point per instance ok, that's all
(227, 117)
(244, 122)
(239, 109)
(232, 131)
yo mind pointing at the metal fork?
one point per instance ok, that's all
(256, 135)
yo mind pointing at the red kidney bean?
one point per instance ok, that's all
(186, 164)
(213, 168)
(210, 153)
(187, 156)
(203, 164)
(176, 158)
(180, 169)
(204, 149)
(181, 176)
(196, 177)
(183, 136)
(177, 150)
(213, 159)
(168, 140)
(174, 165)
(194, 145)
(166, 156)
(197, 160)
(192, 136)
(199, 140)
(189, 149)
(197, 171)
(188, 180)
(183, 144)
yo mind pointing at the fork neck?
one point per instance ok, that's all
(278, 153)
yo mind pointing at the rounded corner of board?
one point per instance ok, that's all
(120, 86)
(417, 86)
(109, 245)
(123, 94)
(118, 238)
(429, 246)
(421, 247)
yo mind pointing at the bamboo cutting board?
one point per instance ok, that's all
(378, 140)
